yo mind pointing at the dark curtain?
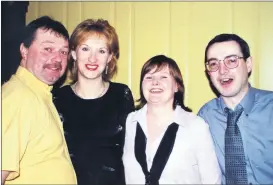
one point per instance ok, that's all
(13, 20)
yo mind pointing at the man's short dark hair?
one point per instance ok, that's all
(45, 23)
(229, 37)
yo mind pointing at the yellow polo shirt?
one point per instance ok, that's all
(33, 143)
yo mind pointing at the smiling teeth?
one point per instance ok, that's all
(92, 66)
(225, 80)
(54, 68)
(156, 90)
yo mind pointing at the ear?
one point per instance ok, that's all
(249, 64)
(176, 88)
(109, 58)
(73, 53)
(208, 72)
(24, 52)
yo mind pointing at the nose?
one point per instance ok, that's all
(92, 57)
(223, 68)
(57, 57)
(155, 81)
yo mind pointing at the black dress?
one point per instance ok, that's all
(94, 131)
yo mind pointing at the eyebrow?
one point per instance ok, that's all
(51, 42)
(224, 57)
(47, 41)
(89, 46)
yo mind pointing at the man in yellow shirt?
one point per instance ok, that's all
(34, 150)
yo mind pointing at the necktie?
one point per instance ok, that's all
(235, 163)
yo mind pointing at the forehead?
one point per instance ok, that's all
(222, 49)
(95, 39)
(160, 69)
(43, 35)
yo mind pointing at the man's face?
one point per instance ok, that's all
(229, 82)
(46, 57)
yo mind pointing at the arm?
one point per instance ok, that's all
(128, 107)
(5, 174)
(129, 101)
(15, 133)
(207, 161)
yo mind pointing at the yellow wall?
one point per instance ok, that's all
(179, 30)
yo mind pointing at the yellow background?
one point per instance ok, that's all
(180, 30)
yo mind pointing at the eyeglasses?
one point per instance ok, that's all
(230, 62)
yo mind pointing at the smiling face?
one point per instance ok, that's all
(231, 83)
(46, 57)
(158, 87)
(91, 57)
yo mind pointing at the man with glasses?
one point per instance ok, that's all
(241, 118)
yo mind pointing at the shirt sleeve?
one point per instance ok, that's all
(201, 113)
(207, 161)
(15, 133)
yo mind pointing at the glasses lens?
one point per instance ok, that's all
(231, 62)
(213, 65)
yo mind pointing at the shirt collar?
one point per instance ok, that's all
(247, 102)
(31, 81)
(179, 114)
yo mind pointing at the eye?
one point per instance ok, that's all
(102, 51)
(48, 49)
(231, 60)
(163, 77)
(64, 53)
(85, 49)
(212, 63)
(148, 78)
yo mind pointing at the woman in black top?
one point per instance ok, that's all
(94, 109)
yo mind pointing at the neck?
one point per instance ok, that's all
(90, 89)
(233, 101)
(160, 115)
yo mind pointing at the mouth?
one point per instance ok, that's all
(226, 81)
(156, 90)
(92, 67)
(53, 67)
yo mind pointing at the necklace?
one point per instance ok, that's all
(74, 88)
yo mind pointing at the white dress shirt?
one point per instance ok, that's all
(192, 161)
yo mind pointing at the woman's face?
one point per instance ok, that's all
(91, 57)
(159, 87)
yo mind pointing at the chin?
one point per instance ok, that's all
(151, 102)
(93, 76)
(51, 81)
(228, 94)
